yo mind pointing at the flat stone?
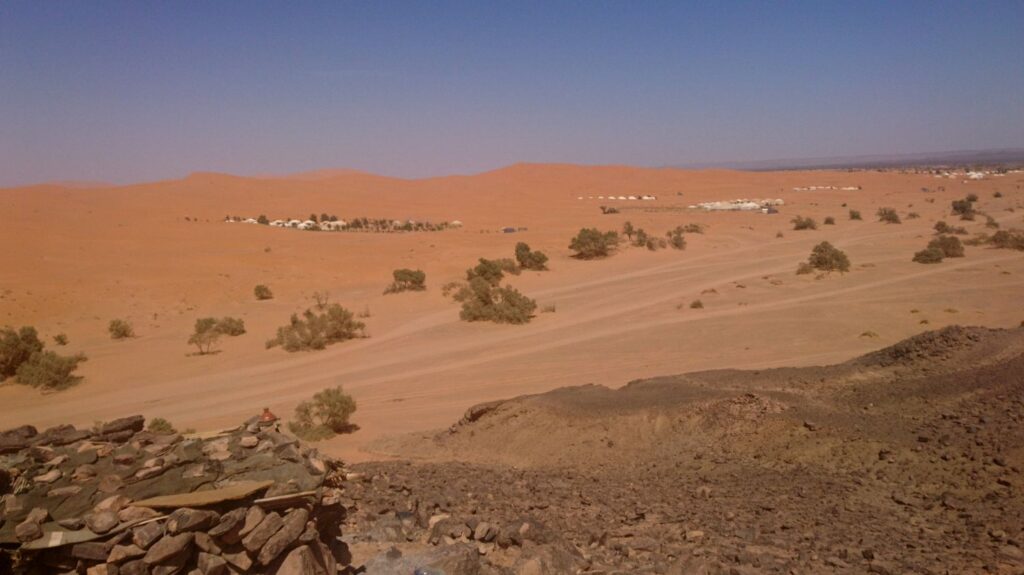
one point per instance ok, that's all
(64, 491)
(241, 560)
(132, 423)
(103, 569)
(136, 567)
(132, 514)
(292, 526)
(72, 523)
(211, 564)
(110, 484)
(147, 472)
(113, 503)
(168, 548)
(145, 535)
(230, 526)
(207, 544)
(28, 531)
(185, 519)
(84, 472)
(49, 477)
(101, 522)
(259, 536)
(90, 551)
(249, 441)
(253, 517)
(121, 553)
(301, 561)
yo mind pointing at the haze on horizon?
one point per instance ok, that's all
(130, 92)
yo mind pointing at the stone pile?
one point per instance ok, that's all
(120, 500)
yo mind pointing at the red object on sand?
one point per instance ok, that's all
(267, 416)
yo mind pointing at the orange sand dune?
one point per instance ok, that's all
(76, 258)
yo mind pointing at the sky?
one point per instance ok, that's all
(139, 91)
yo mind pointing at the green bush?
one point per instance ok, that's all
(325, 415)
(407, 280)
(209, 329)
(944, 228)
(490, 271)
(828, 258)
(120, 329)
(888, 215)
(804, 268)
(317, 331)
(16, 347)
(262, 292)
(676, 239)
(928, 256)
(855, 215)
(802, 223)
(972, 197)
(628, 230)
(591, 243)
(161, 426)
(483, 301)
(530, 260)
(950, 246)
(230, 326)
(963, 208)
(1008, 240)
(48, 371)
(693, 229)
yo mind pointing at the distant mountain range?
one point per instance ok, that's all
(960, 158)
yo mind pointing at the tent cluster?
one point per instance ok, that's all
(334, 224)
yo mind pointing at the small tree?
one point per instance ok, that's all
(160, 426)
(802, 223)
(530, 260)
(483, 301)
(16, 347)
(828, 258)
(830, 221)
(628, 230)
(590, 243)
(325, 415)
(676, 239)
(950, 246)
(321, 298)
(855, 215)
(317, 331)
(407, 280)
(963, 208)
(60, 339)
(49, 371)
(262, 292)
(120, 329)
(928, 256)
(489, 270)
(888, 215)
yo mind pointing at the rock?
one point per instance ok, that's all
(229, 528)
(185, 519)
(484, 532)
(302, 561)
(249, 441)
(49, 477)
(259, 536)
(240, 560)
(61, 435)
(1011, 554)
(810, 425)
(103, 569)
(147, 472)
(90, 551)
(132, 514)
(253, 517)
(133, 424)
(695, 535)
(65, 491)
(168, 548)
(292, 526)
(113, 503)
(37, 515)
(207, 544)
(144, 535)
(211, 564)
(83, 473)
(72, 523)
(136, 567)
(101, 522)
(461, 558)
(110, 484)
(122, 553)
(28, 531)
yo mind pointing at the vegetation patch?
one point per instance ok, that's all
(325, 415)
(591, 243)
(888, 215)
(208, 331)
(262, 292)
(827, 258)
(49, 371)
(802, 223)
(120, 329)
(313, 331)
(528, 259)
(407, 280)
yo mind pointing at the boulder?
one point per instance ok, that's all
(292, 527)
(209, 564)
(122, 553)
(185, 519)
(101, 522)
(168, 548)
(61, 435)
(132, 423)
(302, 561)
(146, 535)
(259, 536)
(90, 551)
(229, 528)
(103, 569)
(28, 531)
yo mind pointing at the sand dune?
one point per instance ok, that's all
(79, 257)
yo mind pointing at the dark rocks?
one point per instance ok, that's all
(133, 424)
(145, 535)
(292, 527)
(61, 435)
(259, 536)
(209, 564)
(101, 522)
(168, 548)
(90, 551)
(184, 520)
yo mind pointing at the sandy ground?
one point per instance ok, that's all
(75, 258)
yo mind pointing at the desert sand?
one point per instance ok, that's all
(76, 257)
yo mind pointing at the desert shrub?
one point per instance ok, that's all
(964, 209)
(693, 229)
(60, 339)
(262, 292)
(16, 347)
(950, 246)
(696, 304)
(591, 243)
(48, 371)
(317, 331)
(855, 215)
(262, 220)
(991, 222)
(490, 271)
(529, 259)
(942, 227)
(676, 239)
(160, 426)
(628, 230)
(828, 258)
(779, 234)
(484, 301)
(802, 223)
(913, 216)
(888, 215)
(321, 299)
(804, 268)
(655, 244)
(205, 336)
(607, 210)
(407, 280)
(231, 326)
(120, 329)
(450, 288)
(640, 237)
(548, 308)
(972, 197)
(1008, 240)
(830, 221)
(928, 256)
(997, 195)
(325, 415)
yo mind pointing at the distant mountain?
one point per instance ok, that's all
(961, 157)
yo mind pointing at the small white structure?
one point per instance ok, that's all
(250, 221)
(648, 197)
(455, 224)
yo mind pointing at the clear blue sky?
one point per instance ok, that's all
(130, 91)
